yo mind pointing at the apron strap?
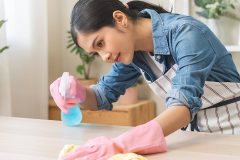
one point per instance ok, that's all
(193, 124)
(224, 103)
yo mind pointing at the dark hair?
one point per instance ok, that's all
(91, 15)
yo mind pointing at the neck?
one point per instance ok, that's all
(143, 35)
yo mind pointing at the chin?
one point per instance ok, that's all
(127, 62)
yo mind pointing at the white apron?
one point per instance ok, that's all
(220, 111)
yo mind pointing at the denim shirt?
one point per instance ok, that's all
(180, 40)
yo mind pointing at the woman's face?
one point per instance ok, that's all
(112, 44)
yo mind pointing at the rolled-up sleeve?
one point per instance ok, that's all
(114, 84)
(195, 58)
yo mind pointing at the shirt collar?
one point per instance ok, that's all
(159, 38)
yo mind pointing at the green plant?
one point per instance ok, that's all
(214, 9)
(5, 47)
(86, 59)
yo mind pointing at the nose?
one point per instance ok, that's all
(106, 56)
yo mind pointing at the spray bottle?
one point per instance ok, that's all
(74, 116)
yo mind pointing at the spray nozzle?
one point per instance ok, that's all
(64, 84)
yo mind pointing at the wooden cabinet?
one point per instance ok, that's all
(127, 115)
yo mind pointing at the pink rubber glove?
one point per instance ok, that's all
(76, 94)
(144, 139)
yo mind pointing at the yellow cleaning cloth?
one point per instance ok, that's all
(66, 149)
(127, 156)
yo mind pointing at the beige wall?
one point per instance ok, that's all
(24, 67)
(60, 59)
(5, 94)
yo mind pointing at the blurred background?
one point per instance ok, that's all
(36, 33)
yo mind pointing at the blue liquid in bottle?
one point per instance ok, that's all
(73, 117)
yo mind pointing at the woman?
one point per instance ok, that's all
(180, 58)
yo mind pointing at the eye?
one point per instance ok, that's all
(100, 44)
(94, 54)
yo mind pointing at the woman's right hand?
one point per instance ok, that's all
(76, 94)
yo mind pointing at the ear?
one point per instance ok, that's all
(120, 18)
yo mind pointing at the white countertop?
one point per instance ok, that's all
(34, 139)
